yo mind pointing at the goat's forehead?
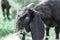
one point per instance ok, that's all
(22, 13)
(19, 15)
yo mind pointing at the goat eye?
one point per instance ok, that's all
(18, 15)
(27, 18)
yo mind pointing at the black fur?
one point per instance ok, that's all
(50, 14)
(32, 24)
(5, 6)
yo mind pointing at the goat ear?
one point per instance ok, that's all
(31, 11)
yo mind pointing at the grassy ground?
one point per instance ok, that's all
(8, 27)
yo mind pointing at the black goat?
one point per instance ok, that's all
(5, 6)
(50, 14)
(31, 21)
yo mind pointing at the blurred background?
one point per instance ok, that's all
(9, 27)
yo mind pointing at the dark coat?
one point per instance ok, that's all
(35, 24)
(49, 9)
(37, 28)
(50, 14)
(5, 4)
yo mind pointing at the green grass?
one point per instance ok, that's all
(7, 27)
